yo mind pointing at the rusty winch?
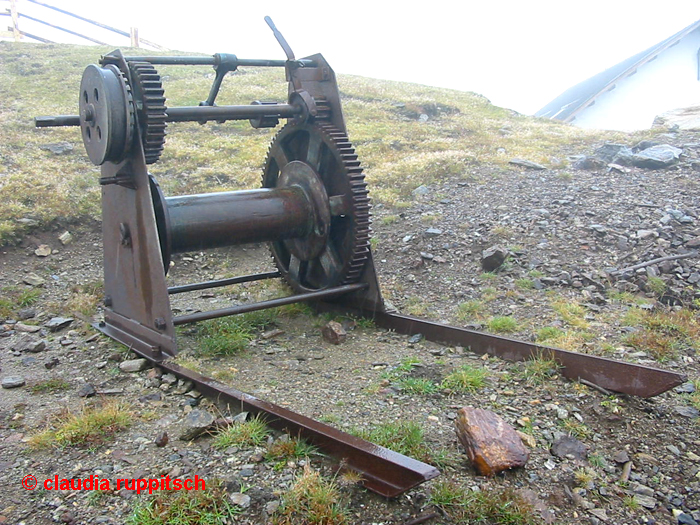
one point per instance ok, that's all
(313, 207)
(313, 210)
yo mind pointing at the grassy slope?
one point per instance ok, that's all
(399, 151)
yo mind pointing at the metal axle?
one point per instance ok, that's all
(194, 114)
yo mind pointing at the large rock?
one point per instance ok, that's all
(27, 343)
(569, 447)
(657, 157)
(33, 279)
(492, 445)
(196, 423)
(609, 152)
(58, 323)
(334, 333)
(13, 382)
(133, 365)
(493, 257)
(59, 148)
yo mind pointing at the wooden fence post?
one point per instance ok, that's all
(15, 21)
(135, 37)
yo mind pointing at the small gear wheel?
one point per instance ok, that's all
(106, 114)
(149, 98)
(322, 152)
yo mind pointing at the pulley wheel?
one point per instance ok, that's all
(106, 114)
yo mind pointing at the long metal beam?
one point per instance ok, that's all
(383, 471)
(613, 375)
(617, 376)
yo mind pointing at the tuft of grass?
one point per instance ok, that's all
(621, 297)
(583, 476)
(466, 378)
(538, 369)
(663, 334)
(576, 428)
(249, 433)
(402, 369)
(525, 284)
(389, 219)
(404, 437)
(13, 299)
(417, 385)
(90, 426)
(631, 502)
(231, 335)
(548, 333)
(469, 310)
(494, 506)
(572, 313)
(49, 386)
(290, 448)
(488, 277)
(656, 285)
(662, 347)
(312, 500)
(84, 299)
(416, 306)
(502, 324)
(186, 507)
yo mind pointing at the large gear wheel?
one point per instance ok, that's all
(323, 152)
(150, 106)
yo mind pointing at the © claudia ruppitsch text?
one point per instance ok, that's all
(151, 485)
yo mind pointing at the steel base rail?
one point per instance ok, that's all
(616, 376)
(383, 471)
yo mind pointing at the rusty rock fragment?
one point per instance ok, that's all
(334, 333)
(492, 445)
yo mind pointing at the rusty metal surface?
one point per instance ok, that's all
(617, 376)
(211, 220)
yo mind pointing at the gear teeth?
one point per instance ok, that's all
(152, 117)
(357, 190)
(323, 109)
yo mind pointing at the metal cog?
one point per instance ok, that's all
(106, 114)
(330, 153)
(150, 104)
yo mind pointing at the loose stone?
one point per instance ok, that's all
(13, 382)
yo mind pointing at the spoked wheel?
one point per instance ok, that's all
(320, 159)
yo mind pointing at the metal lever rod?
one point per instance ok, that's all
(194, 114)
(270, 303)
(282, 41)
(212, 61)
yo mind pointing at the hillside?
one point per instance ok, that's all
(387, 123)
(600, 257)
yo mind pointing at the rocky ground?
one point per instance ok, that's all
(568, 237)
